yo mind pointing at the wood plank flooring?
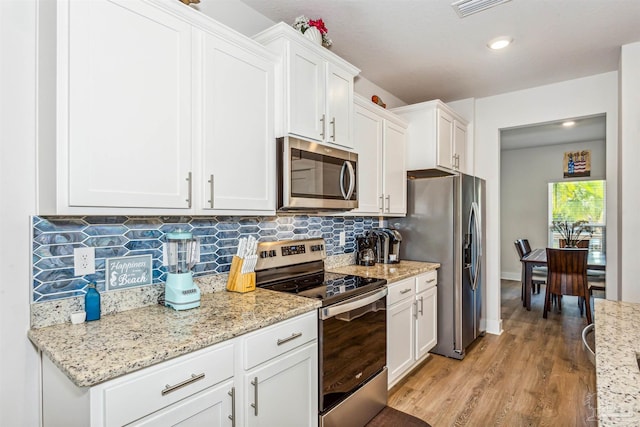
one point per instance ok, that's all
(535, 374)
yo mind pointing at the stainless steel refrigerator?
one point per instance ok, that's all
(444, 224)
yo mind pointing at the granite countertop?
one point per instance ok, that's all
(391, 272)
(117, 344)
(617, 330)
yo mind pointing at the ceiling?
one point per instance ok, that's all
(420, 50)
(585, 129)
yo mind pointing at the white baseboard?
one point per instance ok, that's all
(510, 275)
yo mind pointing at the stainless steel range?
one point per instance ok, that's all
(352, 328)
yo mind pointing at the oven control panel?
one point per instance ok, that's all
(289, 252)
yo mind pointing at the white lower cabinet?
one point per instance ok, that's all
(411, 323)
(277, 385)
(283, 392)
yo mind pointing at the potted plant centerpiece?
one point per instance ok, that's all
(574, 234)
(313, 29)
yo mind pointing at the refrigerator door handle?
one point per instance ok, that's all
(474, 271)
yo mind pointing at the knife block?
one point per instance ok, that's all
(239, 282)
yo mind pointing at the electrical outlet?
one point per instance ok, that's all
(84, 261)
(343, 238)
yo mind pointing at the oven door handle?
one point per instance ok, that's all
(352, 304)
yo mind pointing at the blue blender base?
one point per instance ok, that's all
(180, 293)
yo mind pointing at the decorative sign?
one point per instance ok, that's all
(577, 163)
(128, 272)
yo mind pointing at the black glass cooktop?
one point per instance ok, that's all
(328, 287)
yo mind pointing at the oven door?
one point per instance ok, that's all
(315, 176)
(353, 346)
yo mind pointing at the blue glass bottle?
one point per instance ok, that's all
(92, 302)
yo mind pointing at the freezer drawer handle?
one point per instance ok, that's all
(292, 337)
(171, 388)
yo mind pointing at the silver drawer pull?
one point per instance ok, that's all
(292, 337)
(404, 291)
(171, 388)
(431, 280)
(254, 405)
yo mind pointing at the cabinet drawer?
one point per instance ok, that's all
(157, 387)
(426, 281)
(280, 338)
(400, 291)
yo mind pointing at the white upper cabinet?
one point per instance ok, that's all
(379, 139)
(237, 140)
(124, 106)
(315, 88)
(437, 137)
(157, 108)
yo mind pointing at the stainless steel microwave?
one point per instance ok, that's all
(315, 177)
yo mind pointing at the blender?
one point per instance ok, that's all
(181, 253)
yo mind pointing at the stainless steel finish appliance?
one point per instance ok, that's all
(312, 176)
(352, 328)
(445, 224)
(387, 245)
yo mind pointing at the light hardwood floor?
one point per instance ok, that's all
(535, 374)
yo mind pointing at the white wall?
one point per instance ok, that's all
(524, 178)
(19, 365)
(574, 98)
(367, 89)
(629, 172)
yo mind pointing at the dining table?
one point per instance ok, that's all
(538, 257)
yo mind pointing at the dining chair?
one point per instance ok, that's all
(538, 278)
(567, 275)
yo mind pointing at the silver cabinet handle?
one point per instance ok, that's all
(388, 198)
(381, 203)
(431, 280)
(232, 417)
(415, 312)
(322, 120)
(421, 306)
(171, 388)
(292, 337)
(211, 191)
(254, 405)
(404, 291)
(190, 190)
(333, 126)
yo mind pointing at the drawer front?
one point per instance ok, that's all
(400, 291)
(136, 395)
(279, 338)
(426, 281)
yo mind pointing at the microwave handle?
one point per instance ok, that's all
(352, 180)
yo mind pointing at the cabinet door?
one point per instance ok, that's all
(400, 338)
(124, 105)
(395, 175)
(339, 106)
(444, 139)
(460, 146)
(426, 321)
(212, 407)
(238, 144)
(306, 113)
(284, 391)
(368, 144)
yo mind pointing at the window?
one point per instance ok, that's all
(579, 201)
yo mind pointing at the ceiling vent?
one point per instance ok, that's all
(465, 8)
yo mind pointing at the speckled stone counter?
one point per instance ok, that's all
(617, 330)
(391, 272)
(117, 344)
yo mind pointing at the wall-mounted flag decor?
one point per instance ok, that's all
(577, 163)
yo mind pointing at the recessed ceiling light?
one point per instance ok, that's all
(568, 123)
(499, 43)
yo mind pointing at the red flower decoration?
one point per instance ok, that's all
(319, 24)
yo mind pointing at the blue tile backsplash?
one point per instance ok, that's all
(54, 239)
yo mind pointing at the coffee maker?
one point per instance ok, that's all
(365, 254)
(387, 245)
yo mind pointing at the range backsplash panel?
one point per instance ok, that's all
(54, 239)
